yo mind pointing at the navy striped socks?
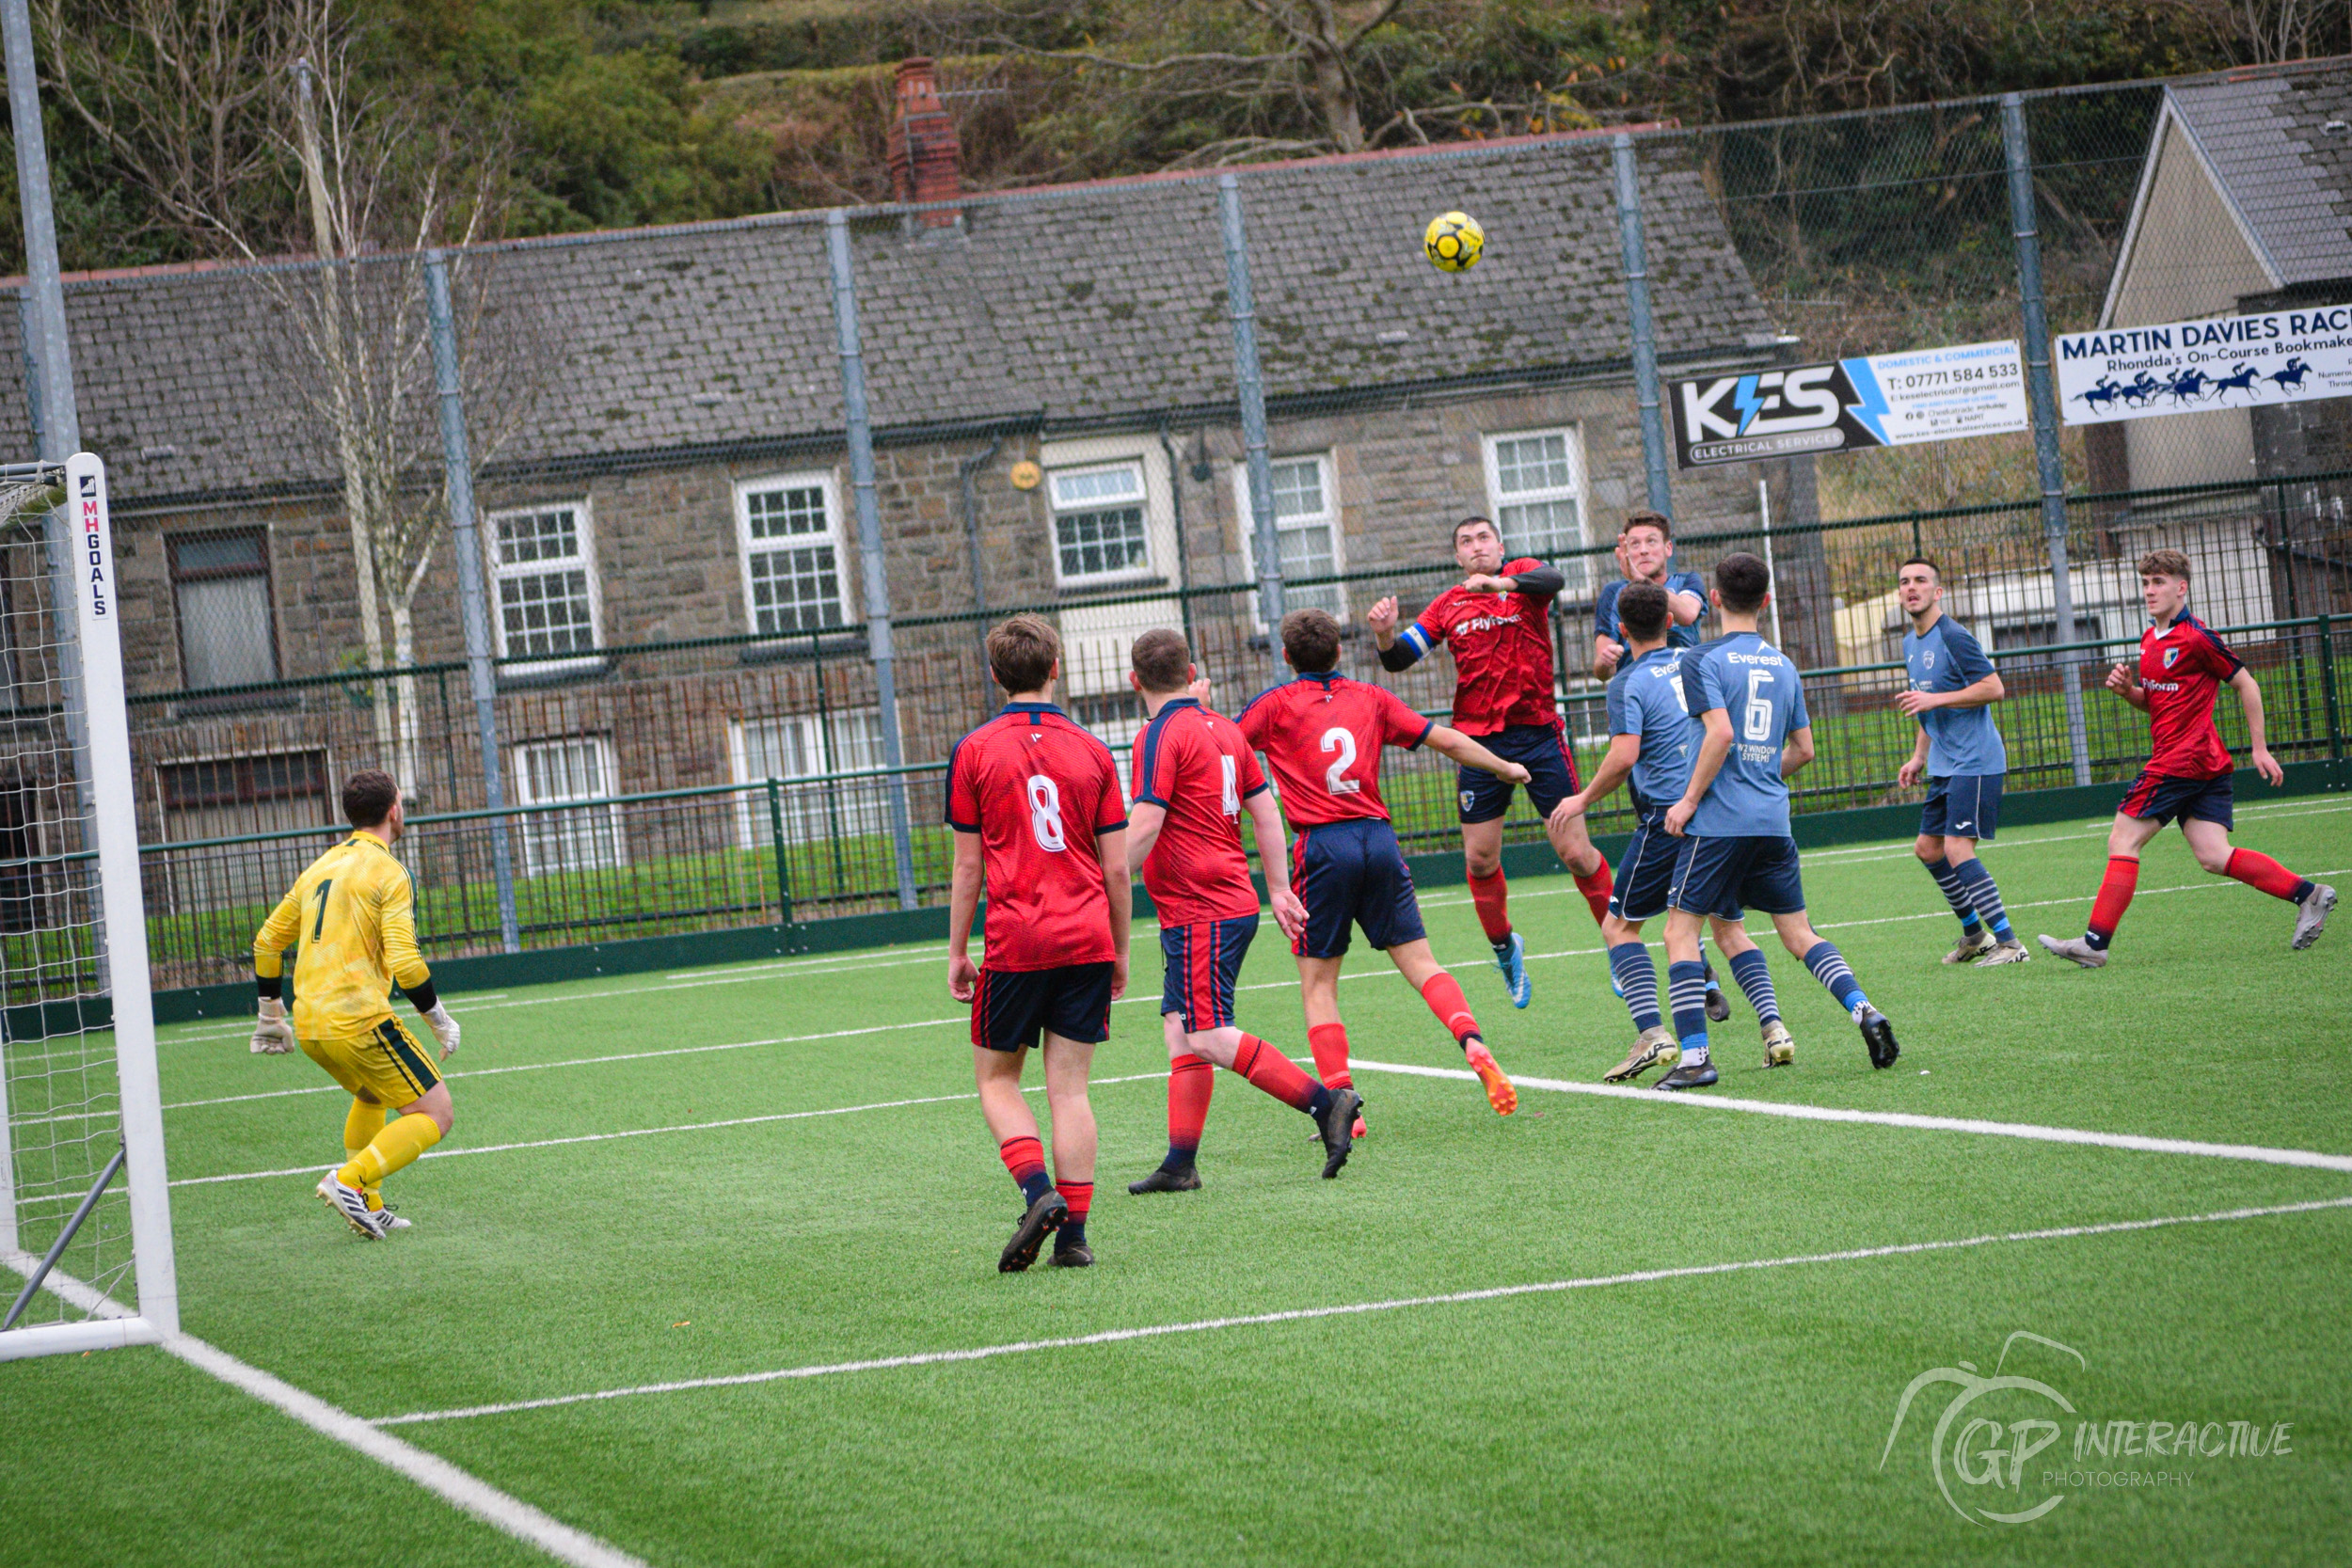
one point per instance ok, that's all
(1829, 967)
(1637, 976)
(1686, 987)
(1955, 886)
(1978, 884)
(1756, 978)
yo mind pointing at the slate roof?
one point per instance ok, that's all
(1074, 306)
(2289, 179)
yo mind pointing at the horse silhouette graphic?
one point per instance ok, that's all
(2290, 379)
(2239, 380)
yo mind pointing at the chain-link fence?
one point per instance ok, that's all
(750, 493)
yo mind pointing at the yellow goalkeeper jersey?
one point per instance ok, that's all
(353, 915)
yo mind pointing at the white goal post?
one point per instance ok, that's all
(84, 1212)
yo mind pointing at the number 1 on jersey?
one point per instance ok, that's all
(325, 884)
(1343, 741)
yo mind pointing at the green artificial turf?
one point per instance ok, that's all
(1733, 1417)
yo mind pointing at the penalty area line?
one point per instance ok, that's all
(461, 1489)
(1308, 1314)
(2031, 1131)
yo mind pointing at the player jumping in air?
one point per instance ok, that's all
(351, 915)
(1959, 751)
(1035, 803)
(1194, 778)
(1497, 619)
(1733, 818)
(1323, 734)
(2182, 667)
(1653, 739)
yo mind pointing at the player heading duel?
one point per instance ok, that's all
(2183, 666)
(1035, 803)
(1497, 620)
(351, 916)
(1194, 778)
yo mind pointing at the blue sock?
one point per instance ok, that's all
(1637, 976)
(1756, 978)
(1036, 1187)
(1955, 892)
(1687, 987)
(1984, 896)
(1829, 967)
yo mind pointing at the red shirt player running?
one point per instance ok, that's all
(1323, 733)
(1194, 778)
(2183, 666)
(1035, 803)
(1497, 620)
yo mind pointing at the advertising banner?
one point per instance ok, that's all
(2193, 367)
(1888, 400)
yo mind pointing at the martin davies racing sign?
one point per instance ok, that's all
(1888, 400)
(2198, 366)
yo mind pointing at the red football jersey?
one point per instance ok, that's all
(1193, 762)
(1037, 789)
(1502, 646)
(2183, 667)
(1323, 734)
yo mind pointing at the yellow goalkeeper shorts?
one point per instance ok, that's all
(383, 1067)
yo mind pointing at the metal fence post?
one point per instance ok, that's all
(1249, 391)
(49, 375)
(2327, 685)
(1643, 328)
(473, 605)
(860, 432)
(2051, 470)
(784, 867)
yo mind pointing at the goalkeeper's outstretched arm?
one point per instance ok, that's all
(397, 920)
(273, 1035)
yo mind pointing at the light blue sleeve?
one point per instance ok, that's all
(1965, 652)
(1703, 684)
(1622, 720)
(1797, 718)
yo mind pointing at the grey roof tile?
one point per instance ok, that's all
(2290, 178)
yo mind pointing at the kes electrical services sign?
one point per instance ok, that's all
(1888, 400)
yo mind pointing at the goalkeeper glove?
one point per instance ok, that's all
(444, 1027)
(273, 1036)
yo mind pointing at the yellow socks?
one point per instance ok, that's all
(398, 1144)
(360, 1130)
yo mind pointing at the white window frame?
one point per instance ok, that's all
(807, 814)
(1152, 571)
(824, 481)
(542, 831)
(584, 529)
(1328, 519)
(1578, 569)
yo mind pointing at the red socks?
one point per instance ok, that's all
(1329, 1041)
(1596, 889)
(1190, 1082)
(1445, 999)
(1025, 1157)
(1491, 895)
(1080, 1196)
(1269, 1070)
(2114, 897)
(2258, 870)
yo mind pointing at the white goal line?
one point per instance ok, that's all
(1307, 1314)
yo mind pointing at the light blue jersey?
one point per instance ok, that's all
(1646, 701)
(1605, 622)
(1960, 740)
(1756, 685)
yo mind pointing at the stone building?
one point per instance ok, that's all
(669, 530)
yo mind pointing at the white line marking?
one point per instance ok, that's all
(436, 1475)
(1796, 1111)
(312, 1169)
(1304, 1314)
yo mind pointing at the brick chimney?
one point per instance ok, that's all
(925, 156)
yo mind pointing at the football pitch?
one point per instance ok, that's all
(706, 1272)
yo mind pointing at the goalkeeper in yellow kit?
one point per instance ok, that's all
(353, 915)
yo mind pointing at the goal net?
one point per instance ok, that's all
(84, 1224)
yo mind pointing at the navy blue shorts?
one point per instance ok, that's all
(2153, 797)
(1353, 871)
(1645, 872)
(1728, 876)
(1012, 1007)
(1965, 805)
(1204, 961)
(1542, 750)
